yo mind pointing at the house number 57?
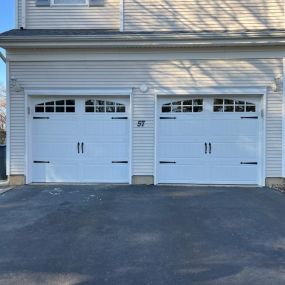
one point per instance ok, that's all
(141, 123)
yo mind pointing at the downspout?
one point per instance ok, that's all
(2, 57)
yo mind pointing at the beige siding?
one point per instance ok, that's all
(73, 17)
(156, 74)
(197, 15)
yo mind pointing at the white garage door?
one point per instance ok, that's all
(209, 141)
(80, 140)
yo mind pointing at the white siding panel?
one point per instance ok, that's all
(197, 15)
(156, 74)
(143, 138)
(73, 17)
(19, 10)
(17, 138)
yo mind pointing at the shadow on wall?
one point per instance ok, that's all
(197, 15)
(162, 74)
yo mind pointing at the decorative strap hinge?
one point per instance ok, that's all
(119, 118)
(40, 118)
(250, 117)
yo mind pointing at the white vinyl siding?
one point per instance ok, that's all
(72, 17)
(19, 11)
(143, 138)
(200, 15)
(156, 74)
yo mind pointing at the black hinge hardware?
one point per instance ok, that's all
(250, 162)
(252, 117)
(40, 118)
(167, 118)
(167, 162)
(119, 118)
(41, 161)
(120, 161)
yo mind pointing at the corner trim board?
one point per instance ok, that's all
(8, 135)
(283, 121)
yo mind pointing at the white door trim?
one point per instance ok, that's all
(29, 94)
(8, 120)
(218, 91)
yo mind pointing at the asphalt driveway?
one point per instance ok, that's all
(121, 235)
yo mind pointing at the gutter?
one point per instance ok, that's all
(2, 57)
(125, 43)
(127, 40)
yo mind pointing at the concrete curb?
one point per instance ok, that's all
(6, 189)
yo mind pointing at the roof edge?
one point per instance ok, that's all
(144, 39)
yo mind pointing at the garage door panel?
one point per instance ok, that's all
(233, 127)
(230, 150)
(181, 128)
(101, 173)
(181, 150)
(182, 139)
(80, 147)
(234, 139)
(106, 129)
(101, 139)
(55, 172)
(106, 150)
(231, 138)
(229, 174)
(181, 174)
(53, 150)
(56, 128)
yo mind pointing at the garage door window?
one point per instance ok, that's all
(103, 106)
(59, 106)
(185, 106)
(231, 105)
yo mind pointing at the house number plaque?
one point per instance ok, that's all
(141, 123)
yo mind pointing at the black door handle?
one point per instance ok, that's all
(78, 147)
(82, 147)
(210, 148)
(206, 148)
